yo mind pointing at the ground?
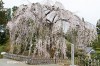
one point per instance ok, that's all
(8, 62)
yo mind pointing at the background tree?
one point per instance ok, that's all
(14, 9)
(96, 43)
(1, 4)
(8, 14)
(4, 36)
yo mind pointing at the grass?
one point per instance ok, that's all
(1, 50)
(98, 49)
(4, 48)
(98, 52)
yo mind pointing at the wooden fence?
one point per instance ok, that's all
(90, 62)
(87, 62)
(35, 61)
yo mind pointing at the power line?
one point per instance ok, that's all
(28, 1)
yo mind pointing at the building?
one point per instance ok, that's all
(88, 51)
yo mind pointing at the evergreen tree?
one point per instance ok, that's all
(8, 15)
(2, 14)
(14, 9)
(98, 26)
(1, 4)
(3, 21)
(96, 43)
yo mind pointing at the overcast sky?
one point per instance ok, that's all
(88, 9)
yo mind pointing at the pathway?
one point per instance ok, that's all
(8, 62)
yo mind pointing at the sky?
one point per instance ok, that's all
(88, 9)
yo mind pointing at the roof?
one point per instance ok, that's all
(89, 50)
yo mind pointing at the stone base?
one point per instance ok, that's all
(73, 65)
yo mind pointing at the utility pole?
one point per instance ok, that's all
(72, 55)
(72, 47)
